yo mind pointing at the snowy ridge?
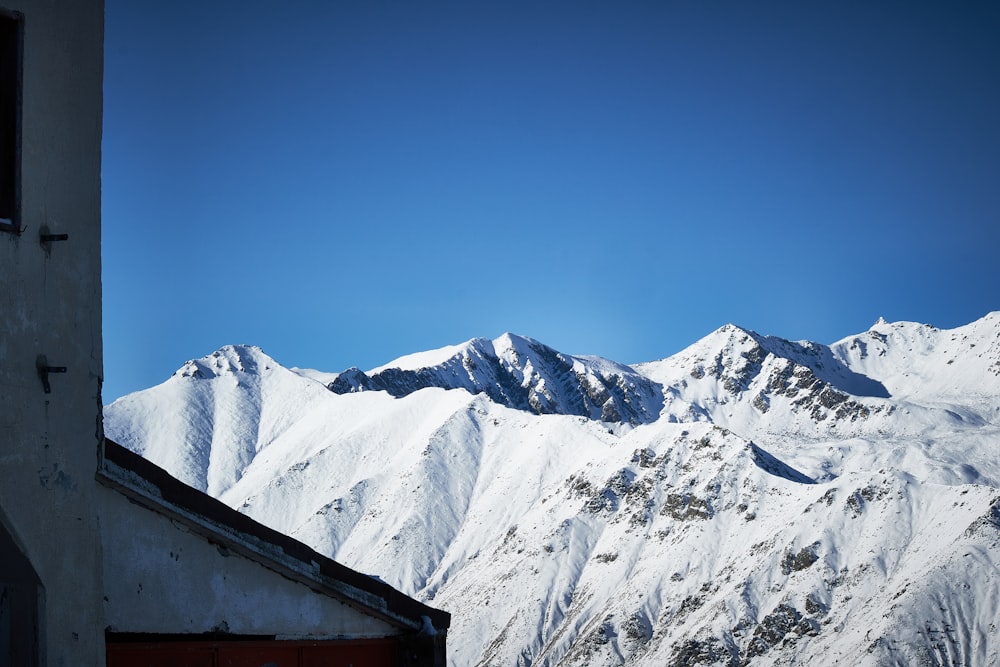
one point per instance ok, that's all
(770, 388)
(521, 373)
(786, 503)
(959, 365)
(214, 415)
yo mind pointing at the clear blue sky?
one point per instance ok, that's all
(342, 183)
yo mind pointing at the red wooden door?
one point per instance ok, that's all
(257, 656)
(346, 653)
(374, 653)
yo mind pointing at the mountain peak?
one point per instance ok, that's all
(730, 329)
(511, 346)
(521, 373)
(508, 338)
(226, 360)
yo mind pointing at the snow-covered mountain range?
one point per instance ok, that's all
(749, 500)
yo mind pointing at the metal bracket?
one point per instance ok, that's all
(42, 364)
(46, 239)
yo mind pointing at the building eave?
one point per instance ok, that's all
(154, 488)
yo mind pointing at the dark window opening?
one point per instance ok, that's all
(19, 594)
(11, 30)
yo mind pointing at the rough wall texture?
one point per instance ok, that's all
(161, 578)
(50, 301)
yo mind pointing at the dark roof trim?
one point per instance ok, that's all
(154, 488)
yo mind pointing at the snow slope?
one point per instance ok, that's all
(749, 500)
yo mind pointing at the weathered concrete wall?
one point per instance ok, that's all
(161, 578)
(50, 303)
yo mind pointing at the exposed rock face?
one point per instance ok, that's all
(811, 394)
(524, 374)
(708, 651)
(805, 373)
(772, 630)
(686, 507)
(801, 560)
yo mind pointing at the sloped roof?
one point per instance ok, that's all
(153, 487)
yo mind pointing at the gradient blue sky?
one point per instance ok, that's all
(342, 183)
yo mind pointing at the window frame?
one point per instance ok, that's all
(11, 98)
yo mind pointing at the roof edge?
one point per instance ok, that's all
(154, 488)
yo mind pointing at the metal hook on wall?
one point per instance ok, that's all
(42, 364)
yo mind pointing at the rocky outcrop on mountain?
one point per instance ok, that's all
(742, 380)
(523, 374)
